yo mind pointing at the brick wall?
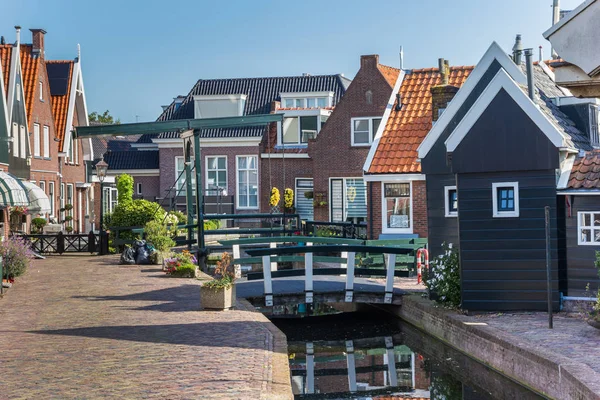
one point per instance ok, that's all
(73, 173)
(273, 177)
(150, 186)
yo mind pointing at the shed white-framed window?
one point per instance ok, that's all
(46, 141)
(397, 207)
(216, 175)
(36, 140)
(588, 228)
(505, 199)
(138, 188)
(364, 130)
(41, 91)
(450, 201)
(23, 142)
(180, 184)
(247, 182)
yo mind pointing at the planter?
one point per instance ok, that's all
(217, 299)
(594, 323)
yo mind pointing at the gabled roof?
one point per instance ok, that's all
(396, 152)
(389, 73)
(585, 173)
(5, 57)
(132, 160)
(261, 92)
(30, 65)
(60, 75)
(567, 18)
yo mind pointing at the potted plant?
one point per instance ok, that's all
(37, 224)
(274, 200)
(181, 265)
(158, 235)
(288, 200)
(69, 229)
(219, 294)
(594, 319)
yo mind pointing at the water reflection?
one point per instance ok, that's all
(369, 355)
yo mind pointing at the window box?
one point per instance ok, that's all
(505, 199)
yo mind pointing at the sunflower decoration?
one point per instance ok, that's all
(288, 198)
(275, 197)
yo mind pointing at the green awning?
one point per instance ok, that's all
(12, 191)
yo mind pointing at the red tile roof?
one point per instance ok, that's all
(389, 73)
(60, 105)
(5, 55)
(30, 66)
(585, 173)
(406, 129)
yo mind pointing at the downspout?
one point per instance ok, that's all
(371, 210)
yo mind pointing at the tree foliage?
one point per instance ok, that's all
(104, 118)
(136, 213)
(124, 188)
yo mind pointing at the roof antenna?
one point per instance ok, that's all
(401, 57)
(541, 54)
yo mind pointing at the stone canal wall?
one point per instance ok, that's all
(535, 367)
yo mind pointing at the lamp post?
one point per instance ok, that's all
(101, 168)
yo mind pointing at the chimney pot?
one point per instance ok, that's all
(530, 79)
(518, 50)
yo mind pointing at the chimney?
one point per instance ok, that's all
(18, 29)
(443, 93)
(369, 61)
(529, 63)
(541, 56)
(555, 19)
(2, 40)
(38, 41)
(518, 50)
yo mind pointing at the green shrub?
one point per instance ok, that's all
(443, 279)
(135, 213)
(124, 188)
(158, 235)
(37, 224)
(212, 224)
(16, 256)
(184, 271)
(173, 219)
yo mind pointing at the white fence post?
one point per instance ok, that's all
(391, 361)
(350, 362)
(310, 368)
(273, 263)
(266, 260)
(351, 257)
(236, 256)
(308, 275)
(389, 280)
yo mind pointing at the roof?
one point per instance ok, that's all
(567, 18)
(389, 73)
(132, 160)
(101, 145)
(30, 65)
(261, 92)
(405, 129)
(585, 173)
(59, 75)
(5, 55)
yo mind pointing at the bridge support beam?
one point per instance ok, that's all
(351, 364)
(389, 280)
(310, 368)
(308, 282)
(268, 283)
(390, 359)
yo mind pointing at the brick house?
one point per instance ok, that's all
(230, 156)
(396, 186)
(330, 164)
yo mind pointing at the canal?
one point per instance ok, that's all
(364, 353)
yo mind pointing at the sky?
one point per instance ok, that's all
(137, 55)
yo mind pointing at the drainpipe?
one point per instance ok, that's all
(555, 19)
(529, 63)
(371, 210)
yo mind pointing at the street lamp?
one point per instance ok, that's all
(101, 168)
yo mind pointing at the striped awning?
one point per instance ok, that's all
(39, 203)
(12, 191)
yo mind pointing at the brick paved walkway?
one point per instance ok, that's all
(79, 327)
(571, 337)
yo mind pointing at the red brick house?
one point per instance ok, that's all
(330, 163)
(397, 192)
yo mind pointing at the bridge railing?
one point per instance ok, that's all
(350, 270)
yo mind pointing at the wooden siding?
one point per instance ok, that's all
(503, 259)
(504, 138)
(440, 228)
(435, 161)
(580, 258)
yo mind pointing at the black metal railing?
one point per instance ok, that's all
(62, 243)
(347, 230)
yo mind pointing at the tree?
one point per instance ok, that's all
(104, 118)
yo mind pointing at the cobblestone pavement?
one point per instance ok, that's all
(571, 337)
(78, 327)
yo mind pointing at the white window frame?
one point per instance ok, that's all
(177, 172)
(237, 183)
(447, 211)
(41, 91)
(138, 187)
(15, 139)
(46, 141)
(52, 198)
(304, 96)
(591, 227)
(36, 140)
(345, 180)
(206, 185)
(384, 227)
(23, 142)
(371, 132)
(505, 214)
(319, 113)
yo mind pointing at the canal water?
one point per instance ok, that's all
(369, 354)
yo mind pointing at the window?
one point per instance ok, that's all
(397, 206)
(588, 228)
(505, 199)
(51, 197)
(46, 142)
(43, 186)
(41, 91)
(348, 200)
(214, 106)
(247, 184)
(179, 167)
(69, 212)
(109, 199)
(70, 154)
(139, 188)
(216, 175)
(36, 140)
(594, 126)
(451, 201)
(306, 102)
(18, 89)
(298, 130)
(62, 198)
(23, 143)
(15, 138)
(364, 130)
(304, 198)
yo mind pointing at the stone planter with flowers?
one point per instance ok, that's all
(219, 294)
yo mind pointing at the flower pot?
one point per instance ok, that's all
(217, 299)
(594, 323)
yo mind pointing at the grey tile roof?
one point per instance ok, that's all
(132, 159)
(260, 91)
(101, 145)
(546, 90)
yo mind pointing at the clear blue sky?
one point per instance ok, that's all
(139, 54)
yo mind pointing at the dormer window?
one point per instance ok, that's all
(594, 126)
(307, 100)
(298, 127)
(218, 106)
